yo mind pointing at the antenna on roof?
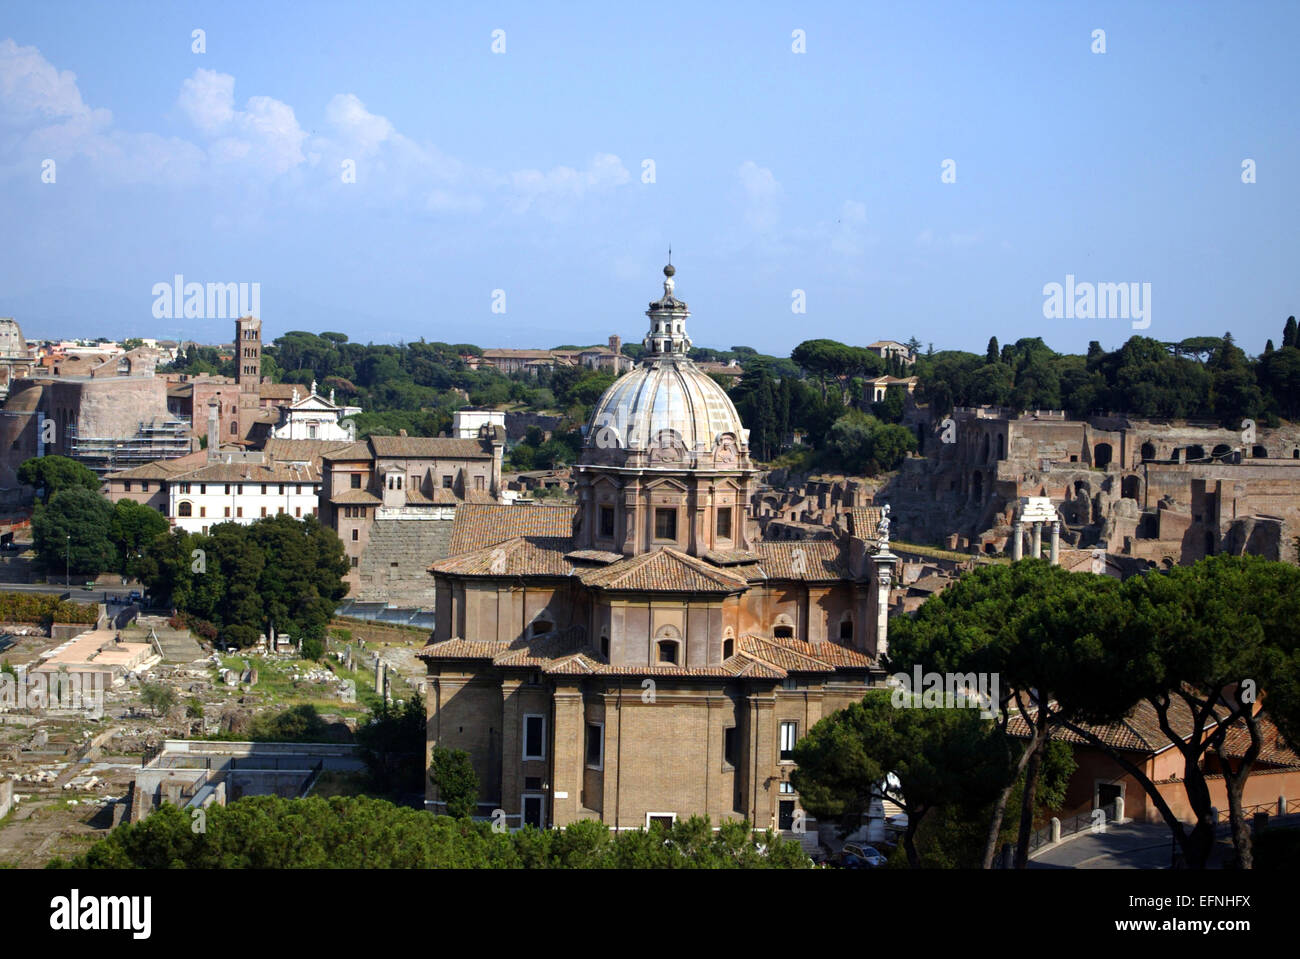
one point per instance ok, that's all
(670, 254)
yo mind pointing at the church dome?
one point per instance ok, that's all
(667, 407)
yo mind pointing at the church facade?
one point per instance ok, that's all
(643, 655)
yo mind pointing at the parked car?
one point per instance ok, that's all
(857, 856)
(134, 597)
(90, 584)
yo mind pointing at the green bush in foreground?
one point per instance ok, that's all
(267, 832)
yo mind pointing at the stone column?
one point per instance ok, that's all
(1017, 541)
(379, 675)
(1056, 543)
(881, 567)
(1036, 541)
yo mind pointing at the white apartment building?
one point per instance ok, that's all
(241, 493)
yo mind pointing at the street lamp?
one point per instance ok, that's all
(67, 562)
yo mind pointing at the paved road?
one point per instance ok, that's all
(1131, 846)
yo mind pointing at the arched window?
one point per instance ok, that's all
(185, 508)
(846, 627)
(542, 626)
(604, 645)
(234, 429)
(728, 648)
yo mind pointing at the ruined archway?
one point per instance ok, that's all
(1101, 455)
(1130, 488)
(1148, 451)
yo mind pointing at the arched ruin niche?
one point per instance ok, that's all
(1148, 451)
(1101, 455)
(1195, 452)
(1259, 452)
(984, 458)
(1222, 450)
(1130, 487)
(1002, 447)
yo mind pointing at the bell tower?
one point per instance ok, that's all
(248, 374)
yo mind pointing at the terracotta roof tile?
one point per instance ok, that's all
(815, 560)
(664, 570)
(478, 524)
(350, 497)
(429, 447)
(520, 556)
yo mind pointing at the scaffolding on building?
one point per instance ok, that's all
(156, 440)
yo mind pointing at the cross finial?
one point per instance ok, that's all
(670, 254)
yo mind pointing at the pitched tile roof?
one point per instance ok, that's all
(520, 556)
(481, 524)
(1139, 731)
(350, 451)
(349, 497)
(809, 560)
(302, 451)
(429, 447)
(664, 570)
(797, 656)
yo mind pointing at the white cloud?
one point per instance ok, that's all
(562, 184)
(208, 99)
(32, 87)
(46, 107)
(265, 134)
(762, 196)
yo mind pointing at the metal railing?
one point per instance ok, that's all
(1094, 820)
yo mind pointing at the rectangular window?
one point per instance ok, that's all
(595, 746)
(480, 482)
(356, 480)
(533, 811)
(240, 489)
(203, 511)
(607, 521)
(263, 510)
(227, 489)
(144, 486)
(789, 734)
(126, 486)
(354, 562)
(297, 511)
(724, 523)
(534, 736)
(665, 523)
(446, 482)
(263, 489)
(185, 487)
(227, 511)
(281, 489)
(729, 745)
(239, 511)
(415, 482)
(203, 489)
(355, 535)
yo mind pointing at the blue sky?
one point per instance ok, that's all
(774, 171)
